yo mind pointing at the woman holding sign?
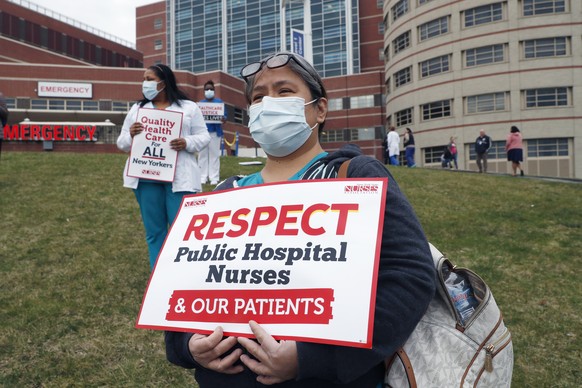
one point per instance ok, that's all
(159, 200)
(209, 157)
(288, 107)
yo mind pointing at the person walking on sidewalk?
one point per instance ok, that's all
(514, 148)
(482, 145)
(409, 148)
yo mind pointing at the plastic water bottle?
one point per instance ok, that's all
(461, 293)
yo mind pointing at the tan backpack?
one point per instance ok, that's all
(446, 350)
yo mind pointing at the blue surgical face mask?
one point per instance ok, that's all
(209, 94)
(279, 125)
(150, 89)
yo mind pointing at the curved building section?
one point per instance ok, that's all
(456, 67)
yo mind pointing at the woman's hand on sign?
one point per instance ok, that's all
(178, 144)
(276, 361)
(208, 349)
(135, 129)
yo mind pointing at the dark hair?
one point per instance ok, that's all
(514, 129)
(173, 92)
(409, 130)
(209, 82)
(305, 71)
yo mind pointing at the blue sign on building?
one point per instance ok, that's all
(298, 42)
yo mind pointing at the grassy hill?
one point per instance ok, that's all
(73, 268)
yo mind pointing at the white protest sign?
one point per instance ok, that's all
(151, 156)
(213, 112)
(300, 258)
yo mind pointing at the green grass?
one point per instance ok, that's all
(73, 268)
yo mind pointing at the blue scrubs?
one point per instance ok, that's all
(158, 206)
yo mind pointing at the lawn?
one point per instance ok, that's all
(73, 268)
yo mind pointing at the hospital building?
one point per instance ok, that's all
(444, 68)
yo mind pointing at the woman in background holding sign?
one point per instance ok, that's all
(288, 106)
(159, 201)
(209, 157)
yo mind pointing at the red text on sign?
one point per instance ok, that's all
(311, 306)
(288, 221)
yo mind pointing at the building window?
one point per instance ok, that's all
(331, 136)
(90, 105)
(56, 105)
(238, 115)
(547, 47)
(497, 151)
(435, 66)
(362, 134)
(436, 110)
(491, 102)
(158, 44)
(381, 54)
(119, 106)
(362, 102)
(380, 4)
(387, 85)
(482, 15)
(158, 24)
(38, 104)
(402, 77)
(542, 7)
(403, 117)
(11, 103)
(399, 9)
(433, 28)
(335, 104)
(485, 55)
(433, 154)
(546, 97)
(401, 42)
(381, 29)
(73, 105)
(546, 148)
(421, 2)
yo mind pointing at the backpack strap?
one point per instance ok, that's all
(407, 367)
(406, 364)
(343, 170)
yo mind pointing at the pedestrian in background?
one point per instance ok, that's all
(3, 118)
(385, 150)
(409, 148)
(209, 157)
(514, 149)
(452, 147)
(159, 201)
(393, 146)
(482, 145)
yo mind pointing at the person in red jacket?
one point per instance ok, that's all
(514, 149)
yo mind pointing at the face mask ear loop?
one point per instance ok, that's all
(312, 101)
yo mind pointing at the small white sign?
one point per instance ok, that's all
(65, 89)
(300, 258)
(151, 156)
(213, 112)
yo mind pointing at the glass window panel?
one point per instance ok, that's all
(541, 7)
(434, 28)
(484, 14)
(435, 66)
(484, 55)
(547, 47)
(399, 9)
